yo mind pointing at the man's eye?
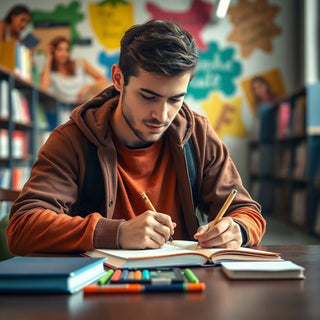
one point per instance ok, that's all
(147, 97)
(175, 100)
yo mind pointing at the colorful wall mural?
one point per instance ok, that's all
(249, 42)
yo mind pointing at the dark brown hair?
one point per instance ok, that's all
(19, 9)
(159, 47)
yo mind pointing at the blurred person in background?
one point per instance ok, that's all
(262, 91)
(14, 23)
(68, 78)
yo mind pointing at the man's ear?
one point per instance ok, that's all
(117, 77)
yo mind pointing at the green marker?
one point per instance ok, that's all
(191, 276)
(105, 277)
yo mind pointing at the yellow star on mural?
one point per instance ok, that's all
(225, 116)
(254, 25)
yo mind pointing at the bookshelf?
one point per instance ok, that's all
(313, 129)
(27, 115)
(284, 159)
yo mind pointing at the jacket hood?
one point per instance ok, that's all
(93, 117)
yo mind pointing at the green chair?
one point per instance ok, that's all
(8, 196)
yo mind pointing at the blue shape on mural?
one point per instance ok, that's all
(216, 71)
(107, 61)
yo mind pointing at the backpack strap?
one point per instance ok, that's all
(192, 169)
(92, 194)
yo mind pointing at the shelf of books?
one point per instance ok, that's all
(27, 116)
(284, 159)
(313, 130)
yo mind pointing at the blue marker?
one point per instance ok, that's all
(145, 274)
(124, 274)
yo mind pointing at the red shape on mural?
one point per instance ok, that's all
(194, 20)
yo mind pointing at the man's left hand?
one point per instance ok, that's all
(225, 234)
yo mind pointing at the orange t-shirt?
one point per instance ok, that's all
(150, 170)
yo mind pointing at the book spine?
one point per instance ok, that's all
(4, 111)
(4, 143)
(284, 114)
(17, 62)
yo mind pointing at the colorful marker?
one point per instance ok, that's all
(137, 275)
(191, 276)
(130, 288)
(106, 277)
(135, 288)
(116, 276)
(176, 287)
(145, 274)
(130, 275)
(124, 274)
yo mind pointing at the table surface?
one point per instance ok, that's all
(222, 298)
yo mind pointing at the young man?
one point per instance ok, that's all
(140, 127)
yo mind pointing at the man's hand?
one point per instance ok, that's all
(148, 230)
(225, 234)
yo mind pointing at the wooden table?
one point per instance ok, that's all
(222, 299)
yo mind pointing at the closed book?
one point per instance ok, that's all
(4, 143)
(180, 253)
(262, 270)
(7, 54)
(4, 102)
(49, 274)
(284, 114)
(30, 40)
(25, 112)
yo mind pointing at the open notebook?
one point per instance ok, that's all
(180, 253)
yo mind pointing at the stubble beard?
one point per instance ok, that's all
(131, 124)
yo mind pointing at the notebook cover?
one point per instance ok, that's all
(49, 274)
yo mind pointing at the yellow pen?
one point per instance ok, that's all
(222, 211)
(147, 201)
(224, 208)
(151, 207)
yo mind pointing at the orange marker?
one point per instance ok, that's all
(116, 276)
(137, 275)
(130, 288)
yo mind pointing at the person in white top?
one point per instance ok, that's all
(14, 22)
(68, 78)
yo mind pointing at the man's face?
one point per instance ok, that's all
(147, 107)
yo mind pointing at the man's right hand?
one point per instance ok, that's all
(148, 230)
